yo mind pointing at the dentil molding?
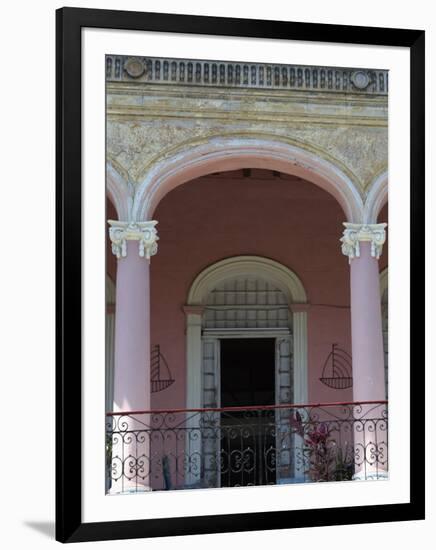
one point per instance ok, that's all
(355, 233)
(143, 232)
(198, 72)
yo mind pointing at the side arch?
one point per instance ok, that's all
(384, 291)
(383, 281)
(110, 291)
(110, 343)
(376, 199)
(119, 193)
(232, 153)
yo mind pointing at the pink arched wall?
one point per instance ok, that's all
(284, 218)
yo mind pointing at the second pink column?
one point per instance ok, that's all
(363, 246)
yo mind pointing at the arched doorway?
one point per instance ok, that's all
(246, 347)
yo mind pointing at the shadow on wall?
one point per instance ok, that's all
(46, 528)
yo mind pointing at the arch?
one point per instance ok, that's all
(239, 266)
(376, 199)
(109, 344)
(110, 290)
(232, 153)
(118, 192)
(383, 282)
(384, 299)
(281, 276)
(198, 341)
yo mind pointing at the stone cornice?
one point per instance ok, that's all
(355, 233)
(122, 113)
(143, 232)
(245, 75)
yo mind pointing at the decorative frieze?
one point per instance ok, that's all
(143, 232)
(245, 75)
(355, 233)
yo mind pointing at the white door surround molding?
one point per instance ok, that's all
(254, 266)
(282, 294)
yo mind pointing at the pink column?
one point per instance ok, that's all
(363, 245)
(132, 332)
(133, 244)
(366, 327)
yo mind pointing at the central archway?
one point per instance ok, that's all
(287, 326)
(233, 153)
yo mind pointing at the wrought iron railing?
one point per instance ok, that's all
(241, 446)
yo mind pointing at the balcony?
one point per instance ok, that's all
(246, 446)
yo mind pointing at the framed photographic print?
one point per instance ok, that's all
(240, 326)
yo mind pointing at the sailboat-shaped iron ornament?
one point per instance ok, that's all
(336, 372)
(157, 360)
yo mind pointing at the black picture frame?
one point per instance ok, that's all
(69, 23)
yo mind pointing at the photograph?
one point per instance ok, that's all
(240, 266)
(217, 285)
(247, 226)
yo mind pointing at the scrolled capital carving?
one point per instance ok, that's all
(143, 232)
(355, 233)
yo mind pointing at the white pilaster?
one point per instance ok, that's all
(193, 355)
(299, 328)
(194, 392)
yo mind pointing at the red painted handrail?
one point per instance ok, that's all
(248, 408)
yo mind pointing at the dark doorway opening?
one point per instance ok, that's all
(248, 436)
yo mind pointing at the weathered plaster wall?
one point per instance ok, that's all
(148, 123)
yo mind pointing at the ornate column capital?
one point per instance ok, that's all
(143, 232)
(355, 233)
